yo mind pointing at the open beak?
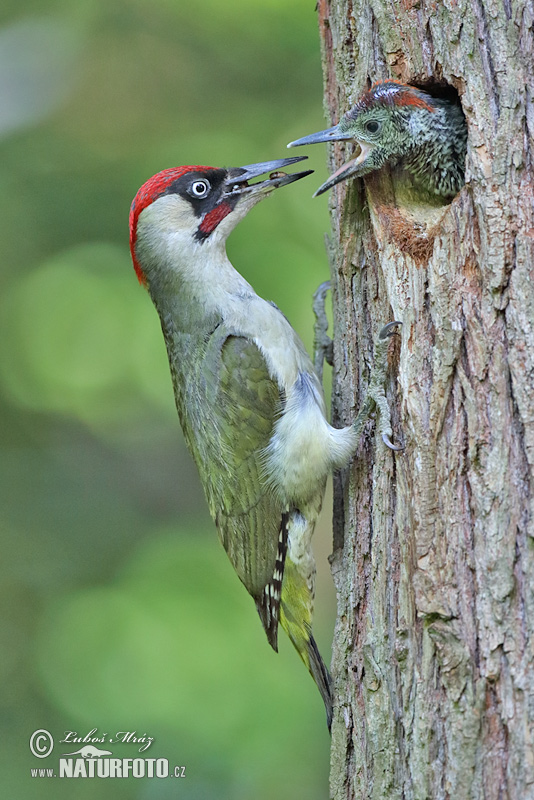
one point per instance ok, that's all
(347, 170)
(237, 182)
(352, 167)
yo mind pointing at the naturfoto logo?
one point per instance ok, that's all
(92, 761)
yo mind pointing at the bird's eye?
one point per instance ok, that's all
(199, 189)
(372, 126)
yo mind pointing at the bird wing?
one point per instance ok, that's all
(243, 402)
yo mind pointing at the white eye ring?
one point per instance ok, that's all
(199, 189)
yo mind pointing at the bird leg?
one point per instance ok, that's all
(323, 346)
(376, 395)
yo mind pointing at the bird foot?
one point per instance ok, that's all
(389, 329)
(323, 346)
(376, 395)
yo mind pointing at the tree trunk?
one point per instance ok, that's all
(433, 550)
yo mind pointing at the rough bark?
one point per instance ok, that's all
(433, 548)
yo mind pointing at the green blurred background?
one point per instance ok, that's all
(121, 610)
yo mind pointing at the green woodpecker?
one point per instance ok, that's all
(250, 404)
(422, 136)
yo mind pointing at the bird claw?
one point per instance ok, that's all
(389, 329)
(376, 388)
(387, 441)
(323, 345)
(376, 396)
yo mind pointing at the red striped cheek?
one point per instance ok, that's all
(214, 218)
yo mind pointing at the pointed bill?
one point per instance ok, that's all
(238, 177)
(254, 170)
(329, 135)
(352, 167)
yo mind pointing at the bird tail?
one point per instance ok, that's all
(296, 611)
(321, 676)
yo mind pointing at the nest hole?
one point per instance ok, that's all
(439, 88)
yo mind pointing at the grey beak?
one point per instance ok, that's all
(237, 180)
(329, 135)
(255, 170)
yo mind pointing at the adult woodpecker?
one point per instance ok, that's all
(250, 404)
(410, 130)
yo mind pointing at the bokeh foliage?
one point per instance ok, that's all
(121, 611)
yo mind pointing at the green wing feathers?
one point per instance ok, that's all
(228, 405)
(245, 402)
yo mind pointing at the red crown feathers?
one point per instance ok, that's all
(146, 195)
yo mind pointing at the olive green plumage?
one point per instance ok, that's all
(228, 422)
(250, 405)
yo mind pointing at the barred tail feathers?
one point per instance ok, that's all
(268, 605)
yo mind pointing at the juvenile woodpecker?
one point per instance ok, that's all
(250, 404)
(402, 126)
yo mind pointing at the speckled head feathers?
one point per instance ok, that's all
(392, 93)
(408, 129)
